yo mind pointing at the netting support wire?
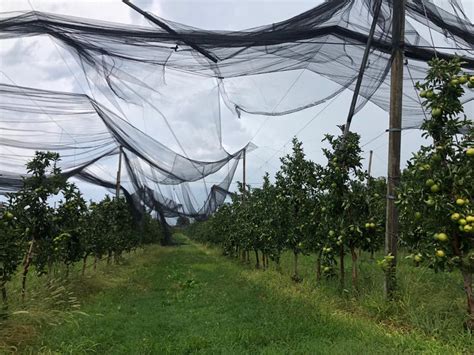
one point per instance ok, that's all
(171, 31)
(363, 65)
(429, 28)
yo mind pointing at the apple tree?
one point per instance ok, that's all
(294, 181)
(33, 211)
(346, 208)
(71, 226)
(11, 249)
(435, 199)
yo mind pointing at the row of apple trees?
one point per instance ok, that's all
(35, 232)
(337, 209)
(331, 211)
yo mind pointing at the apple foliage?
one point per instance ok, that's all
(32, 229)
(435, 197)
(348, 205)
(11, 248)
(32, 209)
(70, 223)
(295, 184)
(309, 209)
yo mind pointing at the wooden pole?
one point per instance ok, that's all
(370, 162)
(244, 163)
(394, 143)
(119, 174)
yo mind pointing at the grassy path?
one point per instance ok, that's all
(188, 299)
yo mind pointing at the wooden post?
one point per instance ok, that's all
(370, 162)
(394, 143)
(119, 173)
(244, 162)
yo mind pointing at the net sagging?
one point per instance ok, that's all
(86, 133)
(266, 70)
(321, 48)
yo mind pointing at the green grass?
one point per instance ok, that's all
(190, 299)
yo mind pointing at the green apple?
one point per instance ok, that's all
(429, 182)
(430, 202)
(436, 112)
(455, 217)
(442, 237)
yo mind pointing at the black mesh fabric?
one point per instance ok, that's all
(266, 70)
(85, 133)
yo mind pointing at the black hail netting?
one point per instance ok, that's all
(178, 78)
(86, 133)
(265, 70)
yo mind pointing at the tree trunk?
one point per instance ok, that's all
(84, 264)
(341, 266)
(318, 266)
(247, 253)
(166, 229)
(50, 269)
(278, 265)
(3, 289)
(264, 265)
(296, 276)
(109, 257)
(257, 265)
(95, 262)
(354, 268)
(467, 277)
(26, 266)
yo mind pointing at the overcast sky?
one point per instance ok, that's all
(38, 62)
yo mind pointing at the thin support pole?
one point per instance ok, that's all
(371, 153)
(119, 174)
(244, 168)
(363, 65)
(394, 144)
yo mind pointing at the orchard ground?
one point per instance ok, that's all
(190, 299)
